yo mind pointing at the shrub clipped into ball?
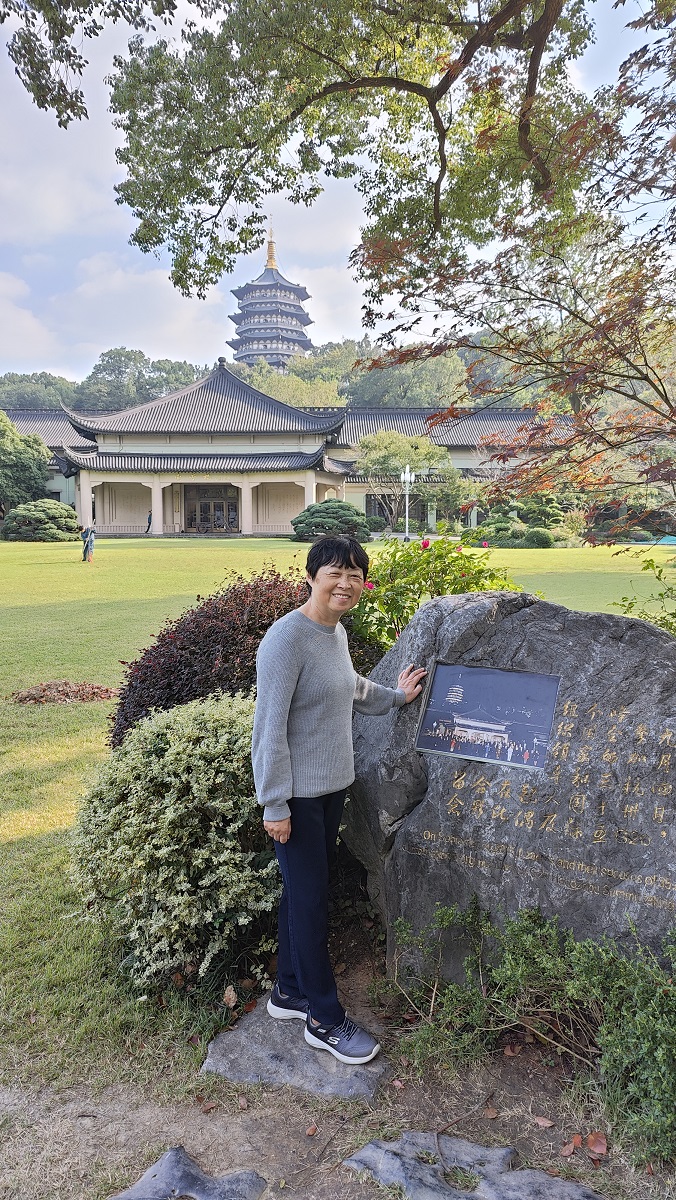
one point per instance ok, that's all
(170, 851)
(212, 647)
(41, 521)
(376, 524)
(538, 539)
(331, 516)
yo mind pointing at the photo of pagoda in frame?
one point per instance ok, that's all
(489, 714)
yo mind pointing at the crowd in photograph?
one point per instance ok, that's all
(480, 744)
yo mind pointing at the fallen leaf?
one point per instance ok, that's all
(568, 1149)
(396, 1083)
(199, 1099)
(512, 1050)
(243, 1102)
(230, 996)
(410, 1017)
(194, 1040)
(250, 1006)
(177, 979)
(490, 1113)
(597, 1144)
(577, 1140)
(552, 1171)
(544, 1122)
(282, 1183)
(649, 1169)
(528, 1037)
(247, 985)
(311, 1130)
(595, 1162)
(209, 1106)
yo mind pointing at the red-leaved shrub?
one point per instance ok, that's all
(212, 647)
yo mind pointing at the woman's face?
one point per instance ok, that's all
(336, 589)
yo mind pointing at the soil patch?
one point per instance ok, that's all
(62, 691)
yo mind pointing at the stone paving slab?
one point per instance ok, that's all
(420, 1162)
(260, 1049)
(177, 1174)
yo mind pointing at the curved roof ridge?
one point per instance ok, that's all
(219, 402)
(157, 400)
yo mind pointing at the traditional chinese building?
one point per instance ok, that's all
(271, 320)
(219, 457)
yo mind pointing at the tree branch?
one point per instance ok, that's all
(539, 32)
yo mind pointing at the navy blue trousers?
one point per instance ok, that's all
(303, 965)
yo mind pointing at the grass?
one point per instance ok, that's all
(65, 1013)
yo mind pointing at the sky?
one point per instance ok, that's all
(71, 286)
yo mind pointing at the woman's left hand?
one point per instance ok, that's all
(410, 681)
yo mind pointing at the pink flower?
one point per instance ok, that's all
(425, 543)
(484, 543)
(458, 549)
(369, 585)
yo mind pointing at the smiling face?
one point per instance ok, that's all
(335, 590)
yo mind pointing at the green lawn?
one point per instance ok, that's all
(64, 1012)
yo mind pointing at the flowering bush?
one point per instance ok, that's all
(404, 574)
(170, 852)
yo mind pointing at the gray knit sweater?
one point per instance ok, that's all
(306, 691)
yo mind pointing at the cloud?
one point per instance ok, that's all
(54, 181)
(117, 303)
(23, 337)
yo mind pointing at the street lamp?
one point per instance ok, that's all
(407, 478)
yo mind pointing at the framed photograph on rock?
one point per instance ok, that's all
(488, 714)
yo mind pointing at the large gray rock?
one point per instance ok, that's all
(591, 837)
(177, 1174)
(429, 1167)
(260, 1049)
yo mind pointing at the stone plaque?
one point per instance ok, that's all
(591, 837)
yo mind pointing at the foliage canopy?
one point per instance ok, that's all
(23, 466)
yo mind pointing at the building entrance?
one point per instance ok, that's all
(212, 509)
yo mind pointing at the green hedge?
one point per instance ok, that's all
(170, 851)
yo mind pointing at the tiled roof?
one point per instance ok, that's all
(467, 430)
(271, 275)
(189, 463)
(220, 403)
(52, 425)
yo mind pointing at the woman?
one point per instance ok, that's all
(303, 763)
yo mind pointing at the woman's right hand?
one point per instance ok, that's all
(280, 831)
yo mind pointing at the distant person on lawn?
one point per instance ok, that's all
(303, 764)
(88, 536)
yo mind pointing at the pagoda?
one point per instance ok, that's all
(271, 319)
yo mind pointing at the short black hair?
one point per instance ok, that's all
(342, 551)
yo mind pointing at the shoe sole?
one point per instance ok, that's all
(285, 1014)
(344, 1058)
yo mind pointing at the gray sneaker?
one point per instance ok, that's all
(346, 1042)
(286, 1007)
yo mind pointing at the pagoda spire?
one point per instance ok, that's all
(272, 257)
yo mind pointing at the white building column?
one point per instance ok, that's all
(310, 488)
(156, 507)
(84, 510)
(246, 508)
